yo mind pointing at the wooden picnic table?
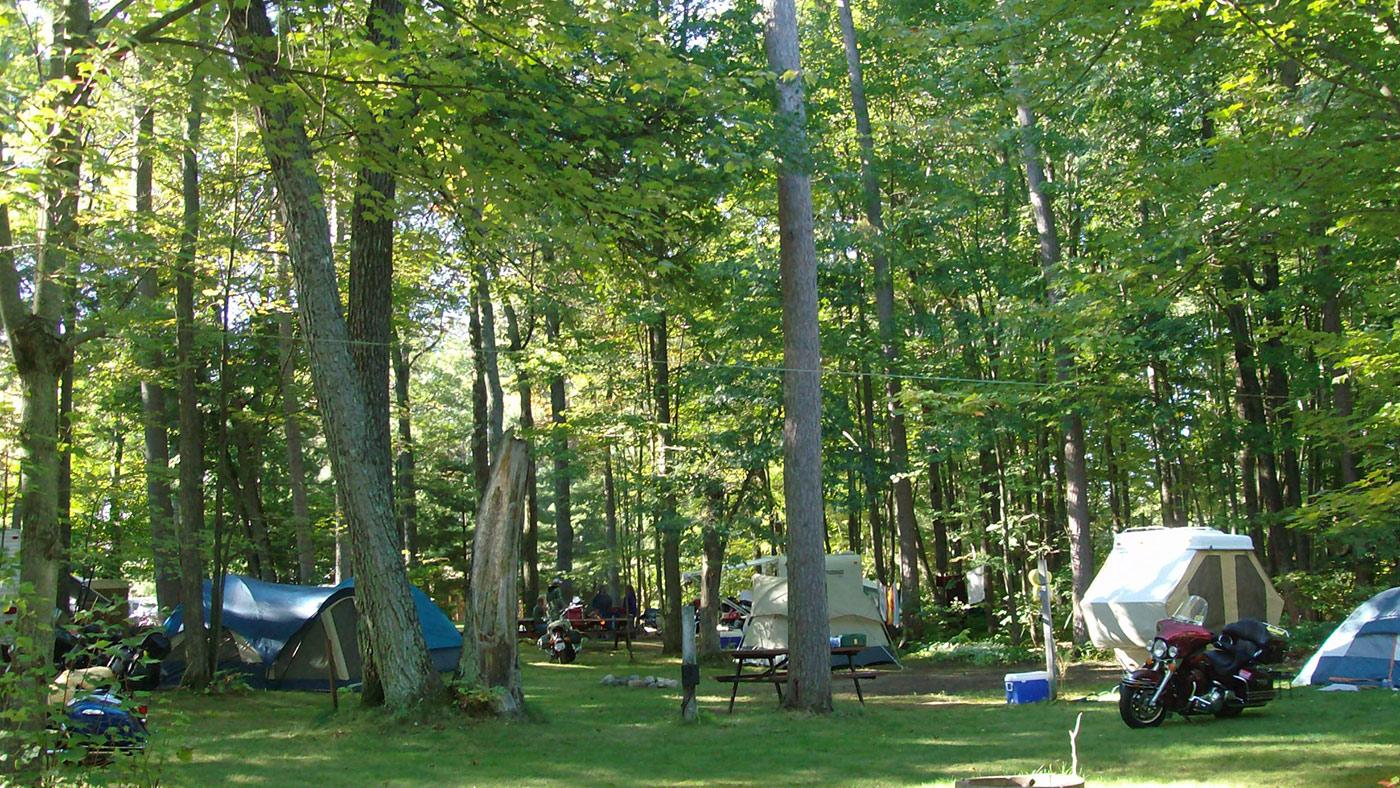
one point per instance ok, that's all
(774, 661)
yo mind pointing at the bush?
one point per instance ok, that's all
(962, 649)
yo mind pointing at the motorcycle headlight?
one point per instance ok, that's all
(1159, 648)
(1171, 652)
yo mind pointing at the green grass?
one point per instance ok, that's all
(586, 733)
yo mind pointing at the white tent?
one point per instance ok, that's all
(851, 610)
(1364, 649)
(1151, 571)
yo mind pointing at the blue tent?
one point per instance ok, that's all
(1364, 649)
(296, 637)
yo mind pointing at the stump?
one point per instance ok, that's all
(490, 658)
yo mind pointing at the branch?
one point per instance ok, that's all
(12, 310)
(112, 14)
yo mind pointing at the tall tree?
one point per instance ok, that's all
(1071, 422)
(808, 629)
(905, 524)
(296, 460)
(382, 589)
(154, 412)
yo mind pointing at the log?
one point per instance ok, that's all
(490, 658)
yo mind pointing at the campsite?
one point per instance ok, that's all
(991, 392)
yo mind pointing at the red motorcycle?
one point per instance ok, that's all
(1193, 671)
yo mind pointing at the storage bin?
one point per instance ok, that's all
(857, 639)
(1029, 687)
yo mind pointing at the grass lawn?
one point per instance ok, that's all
(586, 733)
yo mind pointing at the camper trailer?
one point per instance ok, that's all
(1152, 570)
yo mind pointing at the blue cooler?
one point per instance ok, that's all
(732, 639)
(1029, 687)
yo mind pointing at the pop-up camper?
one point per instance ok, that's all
(1152, 570)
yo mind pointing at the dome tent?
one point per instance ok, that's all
(289, 636)
(851, 610)
(1363, 649)
(1151, 571)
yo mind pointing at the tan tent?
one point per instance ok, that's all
(851, 610)
(1151, 571)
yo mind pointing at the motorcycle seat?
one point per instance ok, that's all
(1248, 629)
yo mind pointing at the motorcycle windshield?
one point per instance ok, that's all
(1192, 611)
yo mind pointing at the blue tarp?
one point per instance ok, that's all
(267, 616)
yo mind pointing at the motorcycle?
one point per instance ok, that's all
(90, 689)
(1193, 671)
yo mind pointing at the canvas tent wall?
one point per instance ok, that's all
(1363, 650)
(851, 610)
(1151, 571)
(289, 636)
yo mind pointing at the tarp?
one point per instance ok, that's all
(1151, 571)
(285, 636)
(1363, 649)
(851, 610)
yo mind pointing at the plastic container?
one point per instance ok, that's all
(1031, 687)
(730, 639)
(858, 639)
(835, 641)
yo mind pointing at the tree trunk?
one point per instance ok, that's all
(1256, 428)
(154, 412)
(712, 566)
(667, 522)
(1341, 388)
(244, 479)
(496, 412)
(1071, 424)
(530, 549)
(190, 526)
(296, 462)
(905, 525)
(809, 660)
(353, 434)
(491, 659)
(558, 416)
(610, 522)
(481, 428)
(405, 465)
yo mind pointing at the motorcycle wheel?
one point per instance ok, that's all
(1229, 712)
(1135, 710)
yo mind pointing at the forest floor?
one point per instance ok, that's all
(927, 724)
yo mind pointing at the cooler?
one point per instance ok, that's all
(1029, 687)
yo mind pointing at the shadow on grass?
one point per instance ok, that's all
(593, 734)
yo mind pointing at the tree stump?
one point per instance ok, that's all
(489, 653)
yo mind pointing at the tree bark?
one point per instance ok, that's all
(296, 462)
(1256, 428)
(668, 523)
(496, 412)
(154, 413)
(247, 488)
(491, 660)
(905, 525)
(1341, 386)
(405, 465)
(809, 660)
(1071, 423)
(190, 525)
(610, 523)
(530, 549)
(558, 415)
(481, 430)
(353, 435)
(712, 565)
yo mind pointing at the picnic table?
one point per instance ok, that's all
(773, 670)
